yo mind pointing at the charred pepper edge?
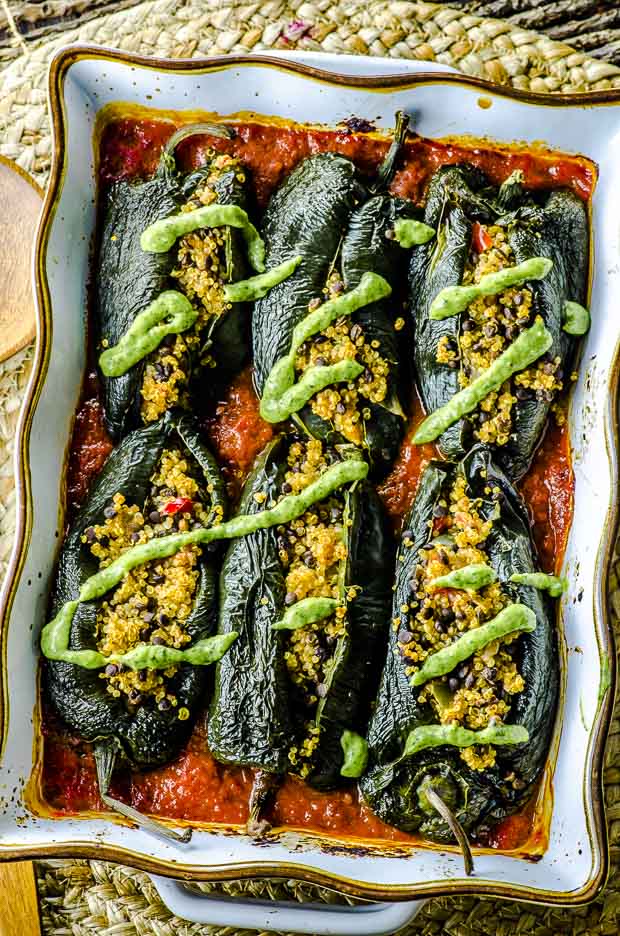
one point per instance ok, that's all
(169, 313)
(282, 396)
(290, 508)
(516, 617)
(531, 344)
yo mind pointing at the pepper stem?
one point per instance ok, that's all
(167, 161)
(455, 827)
(386, 170)
(105, 758)
(263, 789)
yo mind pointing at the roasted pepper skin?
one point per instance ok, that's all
(256, 714)
(147, 737)
(307, 216)
(129, 278)
(391, 786)
(552, 225)
(368, 247)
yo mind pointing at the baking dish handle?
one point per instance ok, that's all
(372, 919)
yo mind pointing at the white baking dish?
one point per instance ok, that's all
(83, 80)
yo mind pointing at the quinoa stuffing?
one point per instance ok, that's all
(478, 692)
(203, 268)
(312, 549)
(153, 601)
(345, 405)
(489, 326)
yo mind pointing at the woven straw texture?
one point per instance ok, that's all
(80, 898)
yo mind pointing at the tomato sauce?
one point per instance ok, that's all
(195, 786)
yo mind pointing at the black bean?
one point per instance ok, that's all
(340, 408)
(109, 512)
(511, 332)
(548, 368)
(440, 627)
(145, 633)
(405, 636)
(90, 534)
(483, 416)
(367, 376)
(286, 488)
(427, 613)
(489, 672)
(147, 617)
(522, 393)
(335, 514)
(453, 684)
(163, 705)
(508, 313)
(135, 697)
(489, 330)
(337, 287)
(157, 641)
(290, 598)
(467, 325)
(447, 615)
(469, 682)
(160, 373)
(309, 560)
(134, 537)
(518, 299)
(155, 516)
(407, 534)
(463, 671)
(321, 361)
(111, 669)
(162, 618)
(142, 675)
(356, 331)
(440, 510)
(442, 556)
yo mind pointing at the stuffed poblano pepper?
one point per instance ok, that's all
(124, 691)
(310, 602)
(345, 369)
(468, 695)
(169, 246)
(492, 300)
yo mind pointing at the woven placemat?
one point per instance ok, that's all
(78, 897)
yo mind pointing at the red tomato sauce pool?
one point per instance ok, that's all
(195, 786)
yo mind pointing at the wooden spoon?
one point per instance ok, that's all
(20, 203)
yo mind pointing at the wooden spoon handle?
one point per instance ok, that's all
(19, 906)
(20, 203)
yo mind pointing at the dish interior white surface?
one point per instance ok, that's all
(439, 110)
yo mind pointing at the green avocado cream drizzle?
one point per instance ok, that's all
(55, 635)
(171, 312)
(469, 577)
(355, 752)
(161, 235)
(306, 611)
(281, 395)
(516, 617)
(576, 318)
(258, 286)
(550, 583)
(410, 233)
(531, 344)
(455, 299)
(429, 736)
